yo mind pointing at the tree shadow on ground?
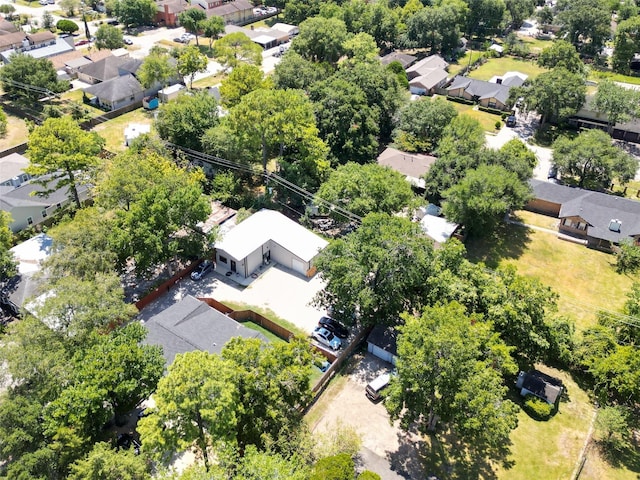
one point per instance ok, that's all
(507, 241)
(628, 458)
(445, 456)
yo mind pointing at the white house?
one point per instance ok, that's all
(268, 236)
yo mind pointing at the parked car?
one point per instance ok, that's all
(376, 386)
(553, 172)
(82, 42)
(334, 327)
(125, 440)
(201, 270)
(327, 338)
(127, 41)
(511, 121)
(44, 2)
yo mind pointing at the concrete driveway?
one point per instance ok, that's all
(386, 449)
(278, 289)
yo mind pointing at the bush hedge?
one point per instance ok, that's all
(536, 408)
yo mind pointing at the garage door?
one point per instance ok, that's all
(380, 353)
(298, 266)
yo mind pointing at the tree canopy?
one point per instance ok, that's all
(236, 48)
(135, 13)
(190, 62)
(363, 189)
(108, 37)
(7, 261)
(314, 44)
(422, 123)
(592, 161)
(619, 104)
(62, 154)
(157, 69)
(561, 54)
(192, 20)
(36, 72)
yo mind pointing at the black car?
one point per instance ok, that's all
(511, 121)
(334, 327)
(125, 441)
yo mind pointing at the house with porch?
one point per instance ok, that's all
(602, 220)
(267, 236)
(491, 94)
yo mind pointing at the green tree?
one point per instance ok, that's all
(196, 404)
(314, 44)
(484, 16)
(63, 153)
(67, 26)
(153, 198)
(363, 189)
(628, 258)
(257, 465)
(7, 261)
(212, 27)
(294, 71)
(376, 272)
(8, 10)
(555, 95)
(587, 23)
(135, 13)
(450, 368)
(617, 103)
(192, 20)
(459, 149)
(242, 80)
(70, 6)
(184, 120)
(544, 17)
(612, 427)
(81, 246)
(625, 44)
(515, 156)
(108, 37)
(361, 48)
(592, 161)
(272, 382)
(434, 28)
(104, 462)
(519, 11)
(36, 72)
(236, 48)
(422, 123)
(561, 54)
(338, 467)
(483, 196)
(47, 18)
(157, 69)
(190, 62)
(80, 307)
(346, 121)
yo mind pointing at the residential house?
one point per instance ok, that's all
(69, 62)
(290, 30)
(267, 236)
(602, 220)
(38, 45)
(405, 59)
(168, 11)
(116, 93)
(487, 94)
(12, 172)
(265, 37)
(545, 387)
(413, 165)
(589, 117)
(29, 207)
(382, 343)
(232, 11)
(191, 324)
(427, 75)
(106, 69)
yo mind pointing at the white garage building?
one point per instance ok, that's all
(268, 236)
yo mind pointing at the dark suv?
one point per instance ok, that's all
(334, 327)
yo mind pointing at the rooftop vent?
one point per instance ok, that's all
(615, 225)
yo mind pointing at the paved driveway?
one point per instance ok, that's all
(386, 449)
(278, 289)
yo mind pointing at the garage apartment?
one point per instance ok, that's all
(267, 236)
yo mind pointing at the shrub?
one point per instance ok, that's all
(498, 124)
(338, 467)
(67, 26)
(536, 408)
(368, 475)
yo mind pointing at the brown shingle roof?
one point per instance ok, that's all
(11, 40)
(40, 37)
(7, 26)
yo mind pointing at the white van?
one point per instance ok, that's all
(375, 387)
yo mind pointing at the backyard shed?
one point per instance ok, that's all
(169, 93)
(382, 342)
(268, 236)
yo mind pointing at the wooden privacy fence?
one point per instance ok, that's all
(165, 286)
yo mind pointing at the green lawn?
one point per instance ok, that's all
(17, 132)
(265, 312)
(113, 130)
(487, 120)
(499, 66)
(536, 45)
(254, 326)
(597, 76)
(462, 62)
(585, 279)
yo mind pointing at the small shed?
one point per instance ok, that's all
(541, 385)
(438, 228)
(169, 93)
(382, 343)
(134, 130)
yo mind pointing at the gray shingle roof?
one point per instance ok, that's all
(405, 60)
(385, 338)
(597, 209)
(480, 88)
(115, 89)
(104, 69)
(190, 325)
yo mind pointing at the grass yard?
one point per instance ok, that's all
(535, 44)
(584, 278)
(265, 312)
(207, 82)
(113, 130)
(598, 75)
(631, 190)
(17, 132)
(462, 62)
(487, 120)
(499, 66)
(254, 326)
